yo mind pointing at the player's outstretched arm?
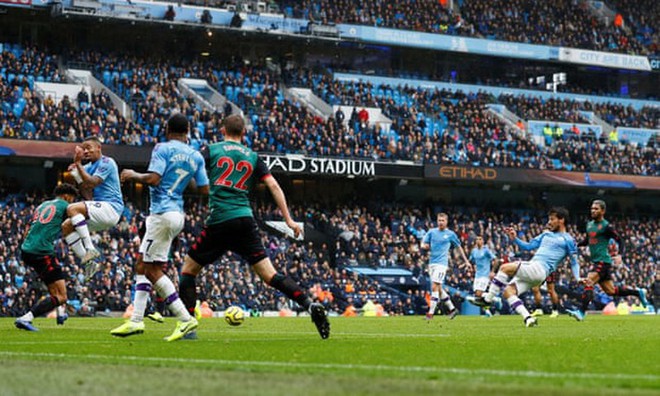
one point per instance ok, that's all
(466, 262)
(150, 178)
(280, 201)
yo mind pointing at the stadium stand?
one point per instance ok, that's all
(364, 236)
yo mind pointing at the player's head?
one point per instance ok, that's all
(598, 208)
(443, 220)
(91, 148)
(557, 217)
(233, 126)
(66, 191)
(177, 127)
(479, 241)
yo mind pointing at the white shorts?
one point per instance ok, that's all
(481, 283)
(529, 274)
(102, 215)
(161, 230)
(437, 273)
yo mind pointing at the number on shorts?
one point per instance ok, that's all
(149, 243)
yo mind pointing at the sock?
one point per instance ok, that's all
(142, 290)
(165, 288)
(44, 306)
(555, 306)
(447, 301)
(61, 310)
(624, 291)
(291, 289)
(188, 291)
(587, 295)
(28, 317)
(80, 224)
(518, 306)
(435, 297)
(75, 243)
(496, 284)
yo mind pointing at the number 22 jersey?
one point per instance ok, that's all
(234, 170)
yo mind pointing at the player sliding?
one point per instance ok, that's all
(553, 245)
(234, 171)
(599, 233)
(98, 181)
(173, 164)
(37, 252)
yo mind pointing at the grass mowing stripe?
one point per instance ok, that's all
(348, 367)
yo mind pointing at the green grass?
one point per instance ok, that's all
(374, 356)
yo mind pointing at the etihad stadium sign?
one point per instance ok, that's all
(327, 166)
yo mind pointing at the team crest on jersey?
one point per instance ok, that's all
(600, 226)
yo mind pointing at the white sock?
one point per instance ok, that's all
(61, 310)
(496, 284)
(28, 317)
(435, 297)
(80, 223)
(166, 290)
(142, 291)
(75, 243)
(516, 304)
(447, 301)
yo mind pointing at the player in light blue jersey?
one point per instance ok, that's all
(482, 258)
(515, 278)
(485, 263)
(173, 166)
(439, 241)
(98, 181)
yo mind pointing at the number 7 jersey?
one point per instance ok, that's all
(176, 163)
(234, 170)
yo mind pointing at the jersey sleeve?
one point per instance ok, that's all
(427, 238)
(531, 245)
(105, 168)
(262, 171)
(201, 177)
(490, 255)
(612, 234)
(158, 161)
(454, 240)
(571, 251)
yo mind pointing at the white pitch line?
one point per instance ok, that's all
(348, 367)
(334, 333)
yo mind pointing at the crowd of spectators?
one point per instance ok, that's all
(567, 23)
(640, 17)
(371, 234)
(428, 126)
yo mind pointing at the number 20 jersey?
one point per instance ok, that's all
(234, 170)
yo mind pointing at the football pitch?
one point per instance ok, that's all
(364, 356)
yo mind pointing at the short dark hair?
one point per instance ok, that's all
(65, 188)
(560, 212)
(177, 123)
(234, 125)
(600, 203)
(93, 138)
